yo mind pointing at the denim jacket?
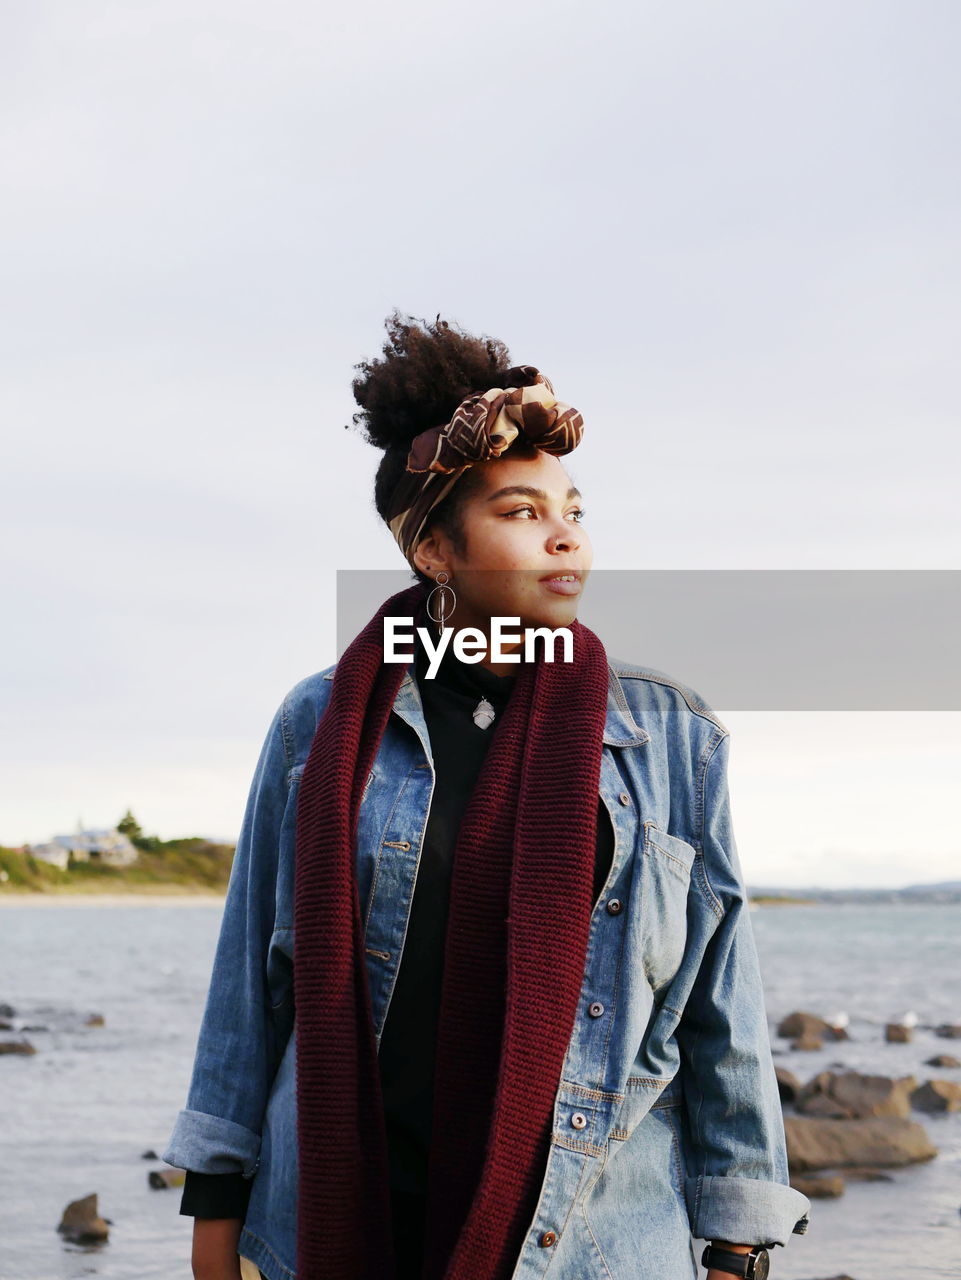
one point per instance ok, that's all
(667, 1120)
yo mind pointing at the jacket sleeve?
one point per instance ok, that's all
(737, 1186)
(218, 1132)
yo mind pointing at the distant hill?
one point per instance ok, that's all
(190, 865)
(944, 891)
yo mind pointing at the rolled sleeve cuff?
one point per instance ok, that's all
(745, 1210)
(211, 1144)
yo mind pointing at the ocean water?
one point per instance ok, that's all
(77, 1116)
(876, 963)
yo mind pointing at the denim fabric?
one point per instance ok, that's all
(667, 1122)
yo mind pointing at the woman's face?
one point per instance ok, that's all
(522, 528)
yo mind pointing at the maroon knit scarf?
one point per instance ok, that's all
(521, 898)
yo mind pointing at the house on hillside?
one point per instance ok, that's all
(50, 852)
(104, 844)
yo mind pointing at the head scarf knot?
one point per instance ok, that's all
(483, 426)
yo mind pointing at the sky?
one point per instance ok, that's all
(728, 233)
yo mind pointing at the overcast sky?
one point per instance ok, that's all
(728, 233)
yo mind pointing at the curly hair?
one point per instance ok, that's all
(426, 371)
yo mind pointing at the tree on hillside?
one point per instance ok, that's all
(129, 826)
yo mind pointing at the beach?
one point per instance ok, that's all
(97, 1095)
(164, 897)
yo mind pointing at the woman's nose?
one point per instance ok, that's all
(567, 541)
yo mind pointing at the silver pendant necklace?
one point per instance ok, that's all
(483, 714)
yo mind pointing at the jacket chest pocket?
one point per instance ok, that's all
(665, 869)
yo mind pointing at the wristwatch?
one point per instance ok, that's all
(753, 1266)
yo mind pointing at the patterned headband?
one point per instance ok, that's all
(484, 424)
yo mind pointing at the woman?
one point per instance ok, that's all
(505, 902)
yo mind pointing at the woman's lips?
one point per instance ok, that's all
(562, 585)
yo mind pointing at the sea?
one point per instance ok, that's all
(85, 1111)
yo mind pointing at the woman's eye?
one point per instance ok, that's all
(578, 514)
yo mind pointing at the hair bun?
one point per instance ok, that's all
(427, 369)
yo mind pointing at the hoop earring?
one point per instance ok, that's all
(444, 607)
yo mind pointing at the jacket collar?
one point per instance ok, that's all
(620, 727)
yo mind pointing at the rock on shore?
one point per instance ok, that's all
(81, 1222)
(937, 1095)
(849, 1095)
(16, 1046)
(882, 1142)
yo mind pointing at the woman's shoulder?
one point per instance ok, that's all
(300, 712)
(654, 693)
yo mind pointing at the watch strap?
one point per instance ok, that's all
(738, 1264)
(724, 1260)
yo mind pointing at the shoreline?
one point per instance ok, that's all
(164, 897)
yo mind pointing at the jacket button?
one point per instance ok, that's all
(595, 1009)
(547, 1239)
(578, 1119)
(614, 906)
(624, 798)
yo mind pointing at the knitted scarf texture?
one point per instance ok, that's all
(520, 905)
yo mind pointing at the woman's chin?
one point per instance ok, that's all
(557, 614)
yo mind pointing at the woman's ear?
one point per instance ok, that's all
(430, 557)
